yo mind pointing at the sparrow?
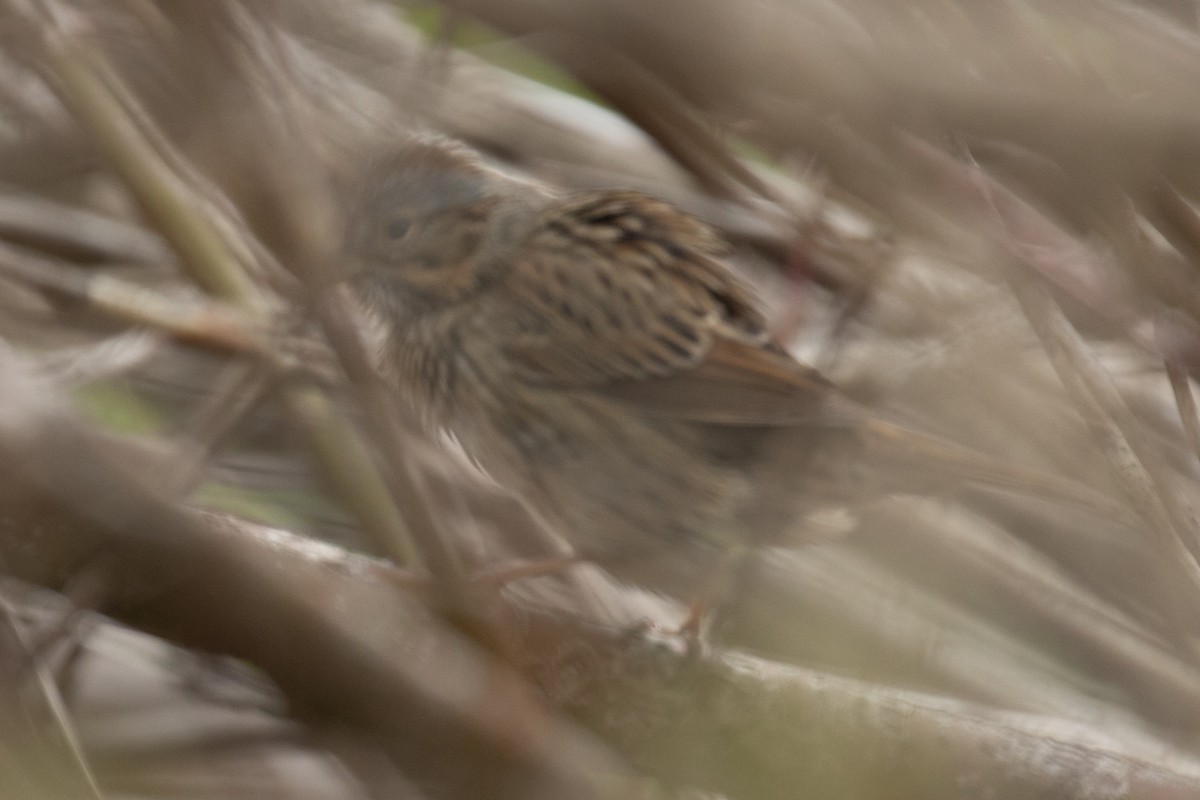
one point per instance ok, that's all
(596, 354)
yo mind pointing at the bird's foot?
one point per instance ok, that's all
(681, 643)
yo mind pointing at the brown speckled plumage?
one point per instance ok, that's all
(595, 354)
(592, 352)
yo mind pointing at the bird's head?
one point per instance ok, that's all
(422, 233)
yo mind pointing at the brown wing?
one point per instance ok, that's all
(738, 384)
(625, 296)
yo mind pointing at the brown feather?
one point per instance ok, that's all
(739, 384)
(618, 286)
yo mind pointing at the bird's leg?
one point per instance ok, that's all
(709, 592)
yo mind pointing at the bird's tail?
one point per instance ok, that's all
(912, 457)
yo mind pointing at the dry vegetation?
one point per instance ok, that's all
(226, 574)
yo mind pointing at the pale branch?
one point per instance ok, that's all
(69, 502)
(726, 723)
(209, 246)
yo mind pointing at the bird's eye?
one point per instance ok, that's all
(398, 228)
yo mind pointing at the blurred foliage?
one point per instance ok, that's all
(443, 26)
(295, 511)
(118, 405)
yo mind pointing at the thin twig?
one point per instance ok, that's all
(1105, 412)
(209, 323)
(63, 227)
(73, 68)
(55, 705)
(306, 232)
(97, 97)
(238, 392)
(103, 360)
(1185, 401)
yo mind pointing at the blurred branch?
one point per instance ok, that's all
(1141, 471)
(838, 80)
(1062, 260)
(75, 70)
(1185, 401)
(656, 109)
(208, 323)
(94, 94)
(761, 730)
(107, 359)
(53, 710)
(1052, 253)
(228, 587)
(830, 612)
(825, 84)
(201, 582)
(75, 232)
(241, 388)
(1043, 595)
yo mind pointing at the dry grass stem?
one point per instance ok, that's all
(977, 219)
(1151, 490)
